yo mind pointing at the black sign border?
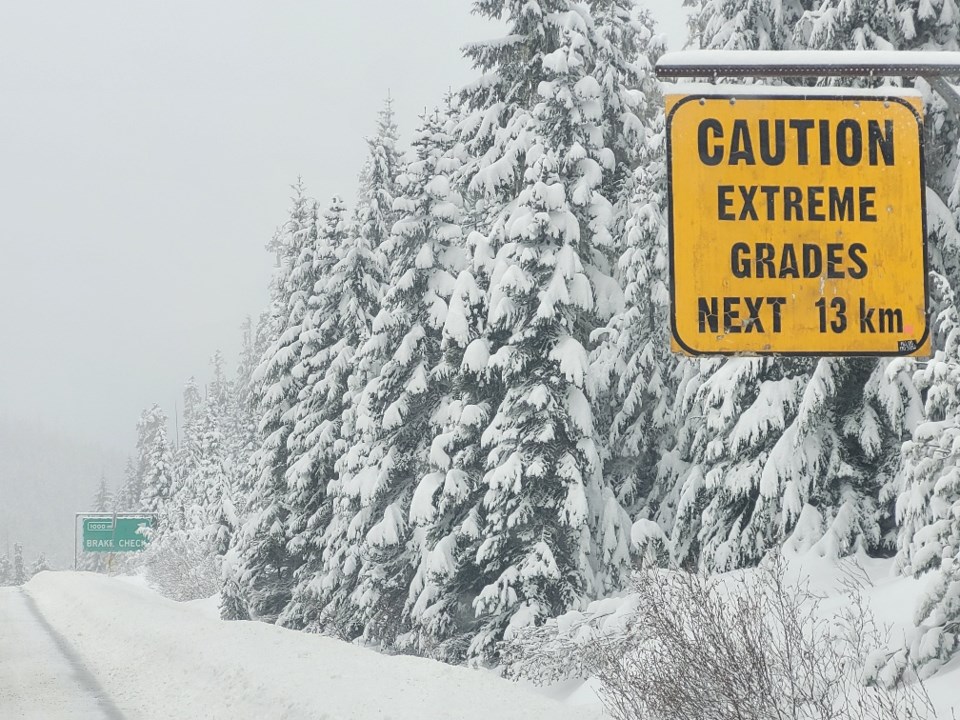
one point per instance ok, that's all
(923, 223)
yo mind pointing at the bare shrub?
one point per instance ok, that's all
(749, 646)
(181, 567)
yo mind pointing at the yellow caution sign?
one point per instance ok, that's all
(797, 225)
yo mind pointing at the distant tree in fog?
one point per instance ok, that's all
(19, 572)
(103, 500)
(39, 565)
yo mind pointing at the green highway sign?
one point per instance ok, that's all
(114, 534)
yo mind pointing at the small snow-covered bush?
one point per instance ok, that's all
(181, 567)
(743, 646)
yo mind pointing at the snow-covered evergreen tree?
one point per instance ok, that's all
(633, 370)
(256, 338)
(128, 496)
(360, 273)
(542, 461)
(927, 491)
(537, 128)
(928, 504)
(632, 366)
(744, 24)
(242, 407)
(6, 571)
(260, 569)
(39, 565)
(626, 47)
(19, 571)
(180, 513)
(375, 213)
(177, 561)
(395, 408)
(244, 401)
(103, 499)
(444, 505)
(217, 473)
(777, 446)
(197, 521)
(329, 342)
(154, 460)
(192, 403)
(892, 25)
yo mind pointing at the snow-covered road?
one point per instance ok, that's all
(40, 679)
(155, 659)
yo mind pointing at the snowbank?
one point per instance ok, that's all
(160, 659)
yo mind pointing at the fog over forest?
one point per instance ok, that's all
(153, 254)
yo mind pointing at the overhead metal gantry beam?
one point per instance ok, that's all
(933, 66)
(807, 63)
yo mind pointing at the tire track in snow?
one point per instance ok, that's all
(93, 694)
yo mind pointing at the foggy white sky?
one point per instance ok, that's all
(146, 151)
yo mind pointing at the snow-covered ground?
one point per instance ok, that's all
(38, 681)
(156, 658)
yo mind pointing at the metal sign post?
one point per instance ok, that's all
(932, 66)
